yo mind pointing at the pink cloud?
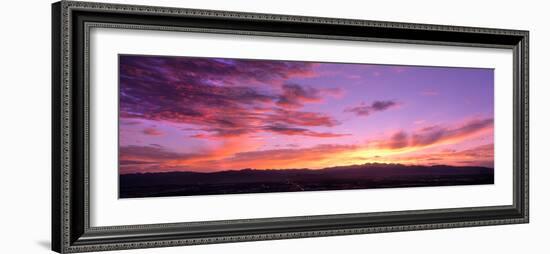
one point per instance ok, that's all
(220, 96)
(152, 132)
(437, 134)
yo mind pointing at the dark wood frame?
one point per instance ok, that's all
(71, 22)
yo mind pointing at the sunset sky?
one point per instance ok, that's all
(213, 114)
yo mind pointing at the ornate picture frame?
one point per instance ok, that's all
(71, 201)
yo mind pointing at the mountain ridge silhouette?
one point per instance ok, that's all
(359, 176)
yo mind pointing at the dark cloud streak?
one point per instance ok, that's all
(366, 110)
(286, 130)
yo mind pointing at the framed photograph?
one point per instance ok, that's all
(181, 126)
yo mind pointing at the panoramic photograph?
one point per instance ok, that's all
(209, 126)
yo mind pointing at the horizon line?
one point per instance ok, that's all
(305, 169)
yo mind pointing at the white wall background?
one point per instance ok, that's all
(25, 125)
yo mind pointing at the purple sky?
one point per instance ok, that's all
(211, 114)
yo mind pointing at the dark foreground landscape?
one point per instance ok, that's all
(365, 176)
